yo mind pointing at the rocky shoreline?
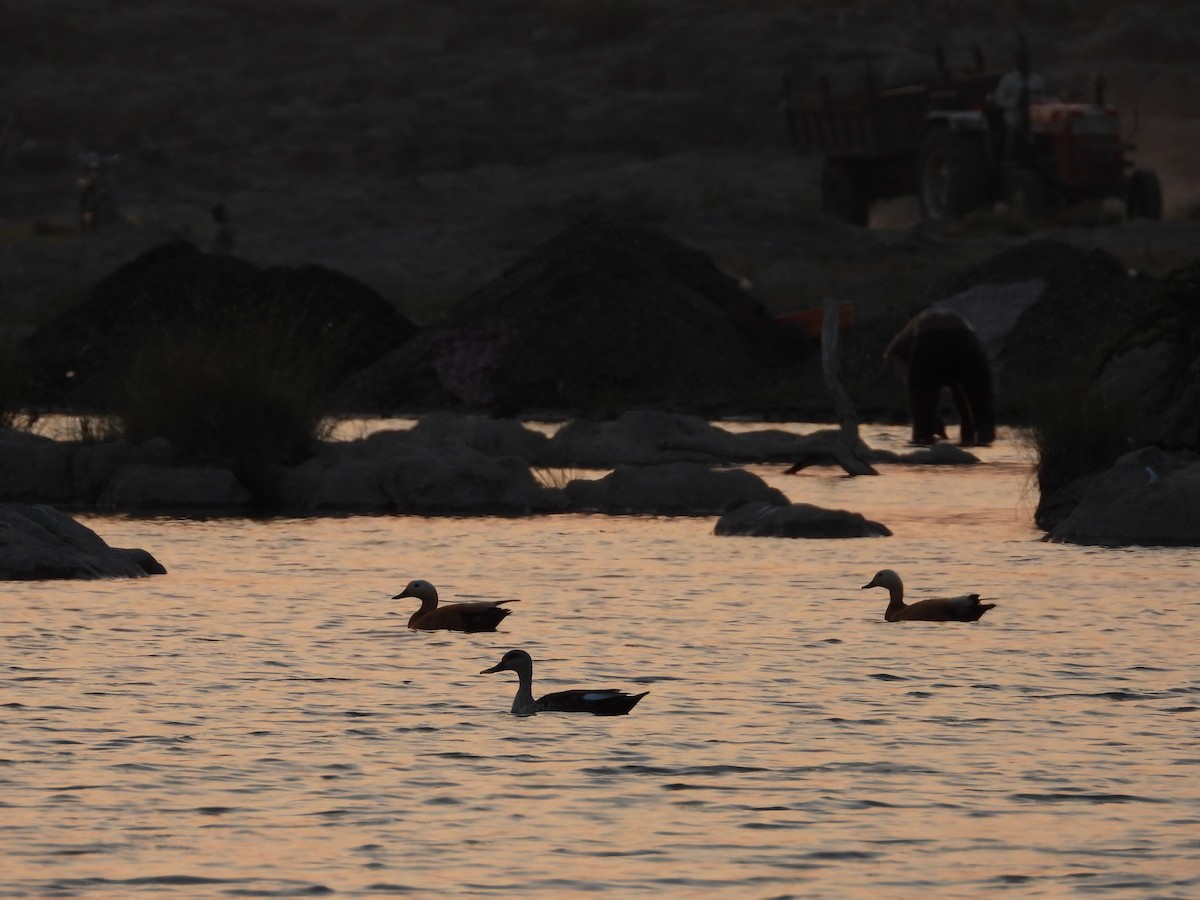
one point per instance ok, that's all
(567, 209)
(642, 462)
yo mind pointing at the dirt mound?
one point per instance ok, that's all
(81, 357)
(602, 317)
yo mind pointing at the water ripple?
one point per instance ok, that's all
(260, 723)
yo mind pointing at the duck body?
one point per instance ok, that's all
(963, 608)
(471, 616)
(598, 702)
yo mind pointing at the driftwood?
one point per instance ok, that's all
(845, 452)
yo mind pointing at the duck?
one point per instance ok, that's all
(471, 616)
(964, 608)
(598, 701)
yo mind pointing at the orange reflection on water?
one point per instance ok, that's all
(261, 716)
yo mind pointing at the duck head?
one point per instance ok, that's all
(886, 578)
(422, 590)
(513, 661)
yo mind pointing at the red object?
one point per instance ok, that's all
(812, 320)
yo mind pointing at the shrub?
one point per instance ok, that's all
(246, 392)
(95, 428)
(1075, 431)
(13, 390)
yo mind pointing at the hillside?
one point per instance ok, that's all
(421, 147)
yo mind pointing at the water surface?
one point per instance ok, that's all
(260, 722)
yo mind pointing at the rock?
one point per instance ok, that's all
(604, 316)
(680, 488)
(40, 542)
(943, 453)
(34, 468)
(490, 436)
(797, 520)
(466, 481)
(636, 438)
(1147, 498)
(648, 437)
(41, 470)
(1056, 504)
(94, 465)
(335, 484)
(390, 472)
(152, 487)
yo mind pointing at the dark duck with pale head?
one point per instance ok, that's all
(472, 616)
(598, 702)
(964, 608)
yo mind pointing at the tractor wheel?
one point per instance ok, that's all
(952, 174)
(844, 192)
(1143, 197)
(1024, 192)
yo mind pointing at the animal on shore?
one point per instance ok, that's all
(598, 702)
(471, 616)
(964, 608)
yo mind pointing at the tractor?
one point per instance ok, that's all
(963, 142)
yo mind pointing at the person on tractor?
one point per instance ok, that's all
(1012, 96)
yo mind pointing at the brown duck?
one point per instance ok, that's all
(965, 608)
(473, 615)
(598, 701)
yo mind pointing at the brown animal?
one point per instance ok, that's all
(965, 608)
(474, 615)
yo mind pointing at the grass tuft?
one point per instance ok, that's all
(247, 393)
(1075, 432)
(14, 390)
(556, 478)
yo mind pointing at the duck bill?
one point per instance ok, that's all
(498, 667)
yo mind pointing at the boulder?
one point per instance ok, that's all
(490, 436)
(671, 489)
(636, 438)
(1056, 504)
(1149, 497)
(390, 472)
(602, 317)
(649, 437)
(34, 468)
(797, 520)
(144, 486)
(93, 465)
(42, 543)
(342, 483)
(943, 453)
(437, 481)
